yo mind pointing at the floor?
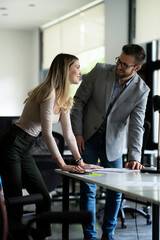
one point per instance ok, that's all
(137, 228)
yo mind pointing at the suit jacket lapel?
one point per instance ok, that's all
(127, 92)
(110, 84)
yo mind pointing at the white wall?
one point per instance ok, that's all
(117, 22)
(19, 69)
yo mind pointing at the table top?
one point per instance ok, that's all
(144, 186)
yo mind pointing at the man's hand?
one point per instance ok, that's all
(80, 143)
(134, 165)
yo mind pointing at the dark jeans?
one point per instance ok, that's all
(19, 170)
(95, 149)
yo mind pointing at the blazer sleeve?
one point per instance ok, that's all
(136, 130)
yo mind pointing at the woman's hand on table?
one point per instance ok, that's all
(72, 168)
(88, 166)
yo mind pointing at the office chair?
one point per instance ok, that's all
(13, 230)
(29, 232)
(19, 230)
(82, 217)
(125, 208)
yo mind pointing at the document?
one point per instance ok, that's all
(116, 170)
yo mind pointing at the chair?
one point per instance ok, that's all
(83, 217)
(19, 230)
(125, 208)
(29, 232)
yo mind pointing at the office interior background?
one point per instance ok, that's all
(94, 30)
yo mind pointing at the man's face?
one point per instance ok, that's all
(126, 66)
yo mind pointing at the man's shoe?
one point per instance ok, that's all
(104, 237)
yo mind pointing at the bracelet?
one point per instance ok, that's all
(78, 159)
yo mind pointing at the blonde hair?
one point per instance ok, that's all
(58, 79)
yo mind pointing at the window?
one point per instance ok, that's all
(82, 35)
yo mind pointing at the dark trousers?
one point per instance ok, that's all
(18, 170)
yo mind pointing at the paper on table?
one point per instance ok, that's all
(105, 170)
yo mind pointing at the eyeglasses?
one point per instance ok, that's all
(123, 65)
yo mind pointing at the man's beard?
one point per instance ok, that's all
(122, 74)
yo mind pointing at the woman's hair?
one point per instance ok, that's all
(58, 79)
(136, 51)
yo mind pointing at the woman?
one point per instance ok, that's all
(46, 105)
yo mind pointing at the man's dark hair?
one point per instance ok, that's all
(136, 51)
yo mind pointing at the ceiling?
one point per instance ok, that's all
(32, 14)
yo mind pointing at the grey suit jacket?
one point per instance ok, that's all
(91, 104)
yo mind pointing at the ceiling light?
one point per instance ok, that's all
(3, 8)
(32, 5)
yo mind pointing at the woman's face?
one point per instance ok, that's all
(74, 72)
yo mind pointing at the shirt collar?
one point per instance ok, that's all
(128, 82)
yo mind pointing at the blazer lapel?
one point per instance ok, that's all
(109, 86)
(127, 92)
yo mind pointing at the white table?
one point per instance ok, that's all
(143, 186)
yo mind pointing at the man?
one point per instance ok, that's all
(110, 101)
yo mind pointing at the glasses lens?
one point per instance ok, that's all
(124, 65)
(116, 60)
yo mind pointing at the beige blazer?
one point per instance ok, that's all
(91, 104)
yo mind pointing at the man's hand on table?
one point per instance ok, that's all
(134, 165)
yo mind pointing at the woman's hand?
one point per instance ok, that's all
(72, 168)
(88, 166)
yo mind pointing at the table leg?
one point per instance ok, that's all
(65, 207)
(155, 222)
